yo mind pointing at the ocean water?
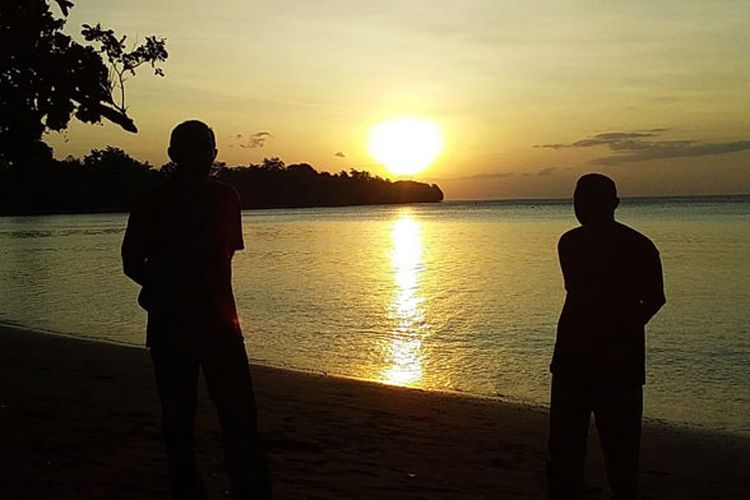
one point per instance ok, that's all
(460, 296)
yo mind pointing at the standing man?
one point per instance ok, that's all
(613, 280)
(178, 246)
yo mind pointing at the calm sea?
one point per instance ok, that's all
(459, 296)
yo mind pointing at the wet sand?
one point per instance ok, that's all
(79, 419)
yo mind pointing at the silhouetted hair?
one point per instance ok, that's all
(191, 134)
(595, 199)
(596, 186)
(192, 146)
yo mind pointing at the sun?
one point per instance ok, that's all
(405, 146)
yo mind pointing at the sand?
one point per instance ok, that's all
(79, 419)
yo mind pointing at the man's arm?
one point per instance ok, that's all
(133, 249)
(653, 297)
(236, 241)
(566, 257)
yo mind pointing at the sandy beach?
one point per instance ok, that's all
(79, 419)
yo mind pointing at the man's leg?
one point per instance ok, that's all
(618, 415)
(177, 383)
(230, 386)
(568, 432)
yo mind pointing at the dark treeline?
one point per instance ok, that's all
(109, 180)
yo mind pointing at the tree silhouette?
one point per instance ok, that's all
(111, 180)
(46, 77)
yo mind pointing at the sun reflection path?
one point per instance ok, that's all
(406, 309)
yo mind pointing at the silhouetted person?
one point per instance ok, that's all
(613, 279)
(178, 246)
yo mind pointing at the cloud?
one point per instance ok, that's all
(615, 140)
(339, 154)
(256, 140)
(546, 171)
(543, 172)
(642, 145)
(674, 149)
(498, 175)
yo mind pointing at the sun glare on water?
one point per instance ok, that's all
(405, 146)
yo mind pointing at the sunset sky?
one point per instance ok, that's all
(527, 95)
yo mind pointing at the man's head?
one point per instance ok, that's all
(595, 199)
(192, 146)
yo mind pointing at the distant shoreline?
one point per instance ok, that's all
(625, 198)
(110, 180)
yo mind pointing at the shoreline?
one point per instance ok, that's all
(713, 197)
(80, 419)
(678, 426)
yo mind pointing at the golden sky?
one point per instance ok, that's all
(528, 95)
